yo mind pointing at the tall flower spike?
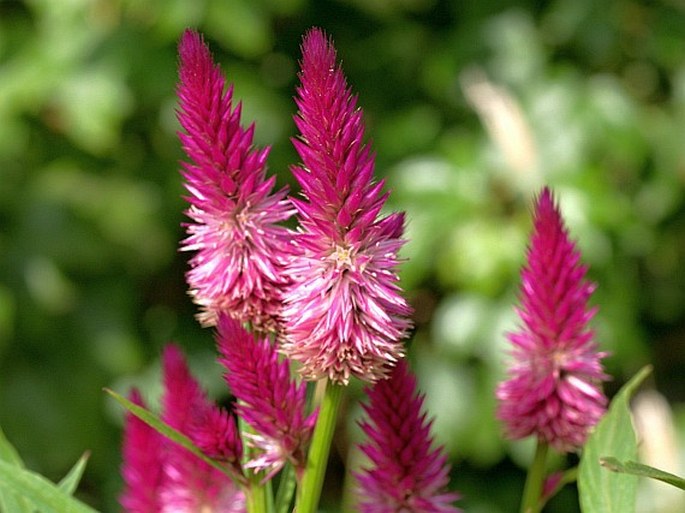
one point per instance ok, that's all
(190, 484)
(553, 390)
(237, 267)
(143, 453)
(268, 399)
(406, 472)
(344, 314)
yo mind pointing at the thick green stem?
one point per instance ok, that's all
(310, 490)
(532, 492)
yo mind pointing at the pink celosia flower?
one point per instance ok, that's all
(143, 453)
(163, 477)
(237, 267)
(553, 390)
(345, 314)
(406, 473)
(268, 399)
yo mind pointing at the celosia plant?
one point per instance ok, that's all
(322, 303)
(554, 387)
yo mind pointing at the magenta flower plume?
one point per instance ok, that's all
(269, 400)
(553, 389)
(237, 267)
(406, 473)
(190, 484)
(143, 453)
(344, 314)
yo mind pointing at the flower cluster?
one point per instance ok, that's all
(344, 314)
(553, 390)
(161, 476)
(239, 246)
(325, 299)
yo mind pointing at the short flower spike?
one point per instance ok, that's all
(406, 472)
(190, 484)
(345, 314)
(269, 400)
(239, 248)
(554, 386)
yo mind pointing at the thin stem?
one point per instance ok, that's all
(286, 487)
(532, 491)
(310, 491)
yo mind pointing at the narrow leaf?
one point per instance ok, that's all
(602, 491)
(7, 451)
(638, 469)
(69, 482)
(10, 502)
(46, 496)
(158, 425)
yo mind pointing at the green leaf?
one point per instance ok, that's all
(156, 423)
(602, 491)
(7, 451)
(10, 502)
(638, 469)
(69, 482)
(45, 495)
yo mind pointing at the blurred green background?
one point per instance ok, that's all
(471, 106)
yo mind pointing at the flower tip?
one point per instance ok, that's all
(318, 49)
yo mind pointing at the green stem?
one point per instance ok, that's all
(256, 498)
(286, 487)
(532, 491)
(310, 491)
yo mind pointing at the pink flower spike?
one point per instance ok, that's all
(268, 399)
(239, 248)
(215, 432)
(142, 468)
(344, 314)
(190, 484)
(406, 472)
(553, 390)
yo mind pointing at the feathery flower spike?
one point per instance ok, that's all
(143, 453)
(345, 314)
(553, 390)
(268, 399)
(239, 248)
(190, 485)
(406, 473)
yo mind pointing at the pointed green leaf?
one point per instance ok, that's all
(607, 492)
(10, 502)
(7, 451)
(156, 423)
(46, 496)
(69, 482)
(638, 469)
